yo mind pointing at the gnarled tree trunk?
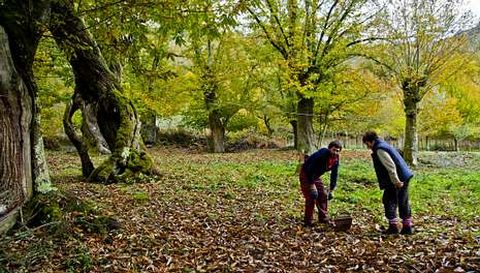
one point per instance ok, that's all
(16, 111)
(98, 88)
(77, 141)
(23, 168)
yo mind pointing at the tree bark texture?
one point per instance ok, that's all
(15, 123)
(23, 168)
(217, 132)
(293, 122)
(77, 141)
(149, 127)
(216, 139)
(90, 128)
(410, 146)
(99, 89)
(305, 132)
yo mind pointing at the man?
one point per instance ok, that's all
(393, 177)
(320, 162)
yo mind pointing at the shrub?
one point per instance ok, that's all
(180, 137)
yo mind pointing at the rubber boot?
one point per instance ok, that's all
(392, 229)
(307, 223)
(407, 230)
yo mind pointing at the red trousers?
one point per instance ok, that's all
(321, 201)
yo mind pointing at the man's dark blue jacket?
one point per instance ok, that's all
(316, 165)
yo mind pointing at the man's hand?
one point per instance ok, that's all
(398, 184)
(313, 191)
(330, 195)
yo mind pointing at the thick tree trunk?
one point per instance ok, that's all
(216, 138)
(306, 134)
(410, 146)
(122, 132)
(217, 133)
(16, 111)
(23, 169)
(98, 88)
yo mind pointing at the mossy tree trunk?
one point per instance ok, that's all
(216, 139)
(90, 128)
(16, 113)
(149, 127)
(98, 88)
(411, 98)
(23, 170)
(77, 141)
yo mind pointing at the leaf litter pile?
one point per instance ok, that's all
(236, 212)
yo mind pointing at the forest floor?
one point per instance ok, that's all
(242, 212)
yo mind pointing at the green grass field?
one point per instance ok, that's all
(242, 212)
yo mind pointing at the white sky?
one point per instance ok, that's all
(474, 6)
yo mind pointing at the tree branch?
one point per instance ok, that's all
(269, 36)
(277, 20)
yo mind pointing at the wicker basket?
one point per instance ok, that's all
(343, 222)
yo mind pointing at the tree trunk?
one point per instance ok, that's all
(295, 133)
(90, 128)
(266, 121)
(77, 141)
(149, 127)
(216, 138)
(410, 146)
(98, 88)
(41, 177)
(16, 106)
(23, 170)
(306, 134)
(217, 133)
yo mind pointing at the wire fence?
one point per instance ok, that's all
(424, 143)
